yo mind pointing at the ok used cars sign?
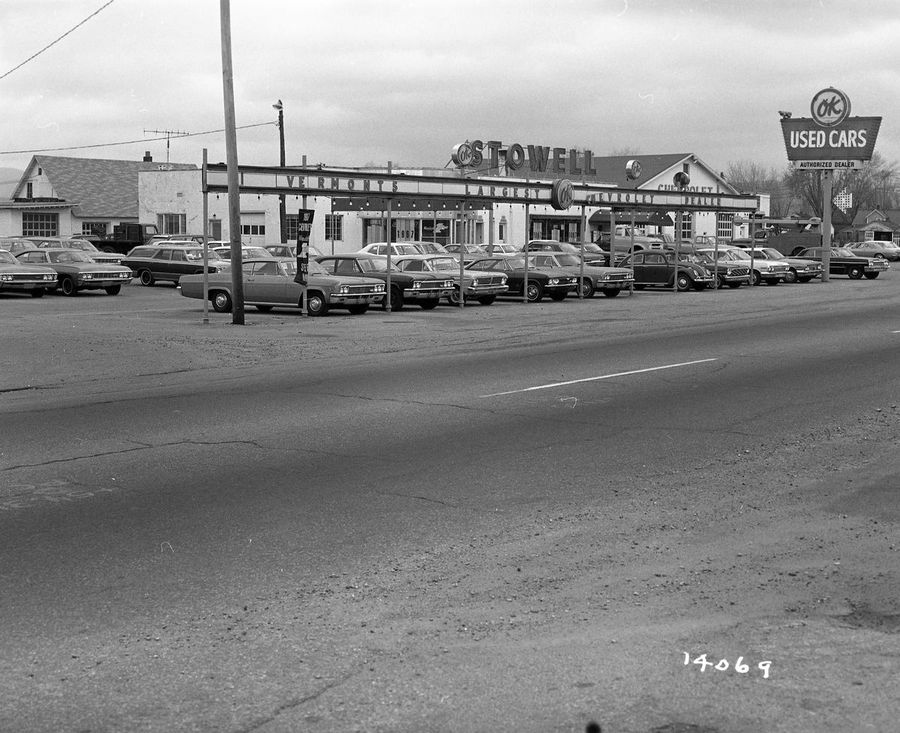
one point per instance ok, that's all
(829, 139)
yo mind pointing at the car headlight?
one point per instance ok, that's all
(448, 283)
(85, 276)
(553, 281)
(48, 276)
(6, 278)
(605, 277)
(475, 283)
(379, 288)
(417, 285)
(503, 280)
(344, 289)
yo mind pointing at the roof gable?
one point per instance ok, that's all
(96, 187)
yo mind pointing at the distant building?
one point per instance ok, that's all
(877, 224)
(60, 196)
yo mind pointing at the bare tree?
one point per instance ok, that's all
(874, 185)
(748, 176)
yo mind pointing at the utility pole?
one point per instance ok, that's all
(282, 205)
(234, 193)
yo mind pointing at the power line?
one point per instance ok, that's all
(34, 56)
(129, 142)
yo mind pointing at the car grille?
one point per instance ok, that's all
(362, 290)
(26, 277)
(739, 271)
(492, 280)
(780, 268)
(618, 276)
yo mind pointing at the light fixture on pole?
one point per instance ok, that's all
(282, 210)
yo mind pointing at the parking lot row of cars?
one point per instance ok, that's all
(420, 273)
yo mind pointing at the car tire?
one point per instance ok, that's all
(611, 292)
(146, 277)
(587, 287)
(453, 298)
(357, 310)
(316, 305)
(487, 299)
(534, 292)
(791, 276)
(37, 293)
(221, 301)
(855, 272)
(755, 278)
(67, 285)
(872, 275)
(113, 289)
(428, 305)
(683, 283)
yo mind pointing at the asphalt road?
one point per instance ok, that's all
(244, 536)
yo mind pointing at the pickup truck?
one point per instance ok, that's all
(125, 237)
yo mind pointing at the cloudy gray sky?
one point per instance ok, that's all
(368, 81)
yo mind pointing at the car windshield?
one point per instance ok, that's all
(7, 258)
(568, 260)
(842, 252)
(375, 264)
(772, 254)
(71, 255)
(734, 254)
(440, 264)
(431, 248)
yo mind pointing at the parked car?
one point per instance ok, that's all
(876, 248)
(727, 271)
(422, 288)
(162, 238)
(289, 251)
(541, 281)
(476, 284)
(170, 262)
(269, 283)
(469, 251)
(799, 270)
(770, 272)
(430, 248)
(248, 251)
(592, 251)
(112, 258)
(657, 267)
(16, 276)
(397, 249)
(597, 278)
(14, 245)
(842, 261)
(76, 271)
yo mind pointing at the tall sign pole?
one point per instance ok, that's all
(234, 194)
(829, 140)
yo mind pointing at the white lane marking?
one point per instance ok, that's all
(596, 379)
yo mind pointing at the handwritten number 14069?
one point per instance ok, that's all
(723, 665)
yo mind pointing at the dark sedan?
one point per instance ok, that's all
(422, 288)
(842, 261)
(541, 281)
(76, 271)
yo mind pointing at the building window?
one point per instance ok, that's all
(40, 225)
(501, 230)
(334, 227)
(29, 190)
(725, 226)
(171, 223)
(94, 228)
(687, 226)
(253, 230)
(290, 226)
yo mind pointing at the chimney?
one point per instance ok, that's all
(147, 157)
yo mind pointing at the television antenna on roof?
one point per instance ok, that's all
(169, 134)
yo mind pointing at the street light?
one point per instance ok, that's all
(282, 210)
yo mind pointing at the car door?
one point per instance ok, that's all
(654, 269)
(263, 283)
